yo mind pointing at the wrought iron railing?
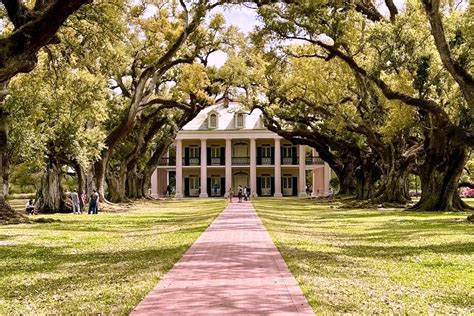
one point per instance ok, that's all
(314, 161)
(167, 161)
(216, 161)
(266, 161)
(191, 161)
(239, 161)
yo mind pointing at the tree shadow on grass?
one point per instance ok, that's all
(82, 272)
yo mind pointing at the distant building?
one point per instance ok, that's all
(225, 146)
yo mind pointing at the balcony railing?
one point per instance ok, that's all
(240, 161)
(267, 161)
(216, 161)
(237, 161)
(167, 161)
(191, 161)
(314, 161)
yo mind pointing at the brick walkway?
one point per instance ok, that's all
(233, 268)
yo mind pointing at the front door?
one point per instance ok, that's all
(266, 186)
(287, 185)
(194, 186)
(215, 186)
(240, 179)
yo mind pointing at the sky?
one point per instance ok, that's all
(246, 19)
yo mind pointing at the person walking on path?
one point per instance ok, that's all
(94, 203)
(239, 193)
(231, 194)
(76, 209)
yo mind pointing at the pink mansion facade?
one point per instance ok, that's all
(224, 147)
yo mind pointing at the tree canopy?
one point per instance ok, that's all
(382, 92)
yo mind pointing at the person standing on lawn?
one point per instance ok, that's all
(76, 209)
(94, 203)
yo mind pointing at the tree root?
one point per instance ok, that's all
(9, 216)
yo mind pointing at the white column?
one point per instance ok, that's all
(277, 169)
(228, 165)
(154, 184)
(179, 169)
(203, 169)
(302, 171)
(253, 167)
(315, 192)
(327, 178)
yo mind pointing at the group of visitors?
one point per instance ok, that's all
(243, 193)
(79, 202)
(31, 207)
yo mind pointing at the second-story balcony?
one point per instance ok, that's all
(240, 161)
(265, 161)
(310, 161)
(191, 161)
(171, 161)
(215, 161)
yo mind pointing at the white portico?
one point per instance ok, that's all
(224, 147)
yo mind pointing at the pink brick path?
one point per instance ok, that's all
(233, 268)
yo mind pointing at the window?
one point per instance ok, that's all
(215, 155)
(194, 185)
(266, 185)
(194, 155)
(239, 120)
(266, 155)
(287, 184)
(213, 120)
(215, 151)
(287, 155)
(215, 185)
(193, 182)
(266, 151)
(194, 152)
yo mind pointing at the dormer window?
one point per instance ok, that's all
(239, 120)
(212, 120)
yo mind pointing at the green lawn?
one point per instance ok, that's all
(89, 264)
(373, 261)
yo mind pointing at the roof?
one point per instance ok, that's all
(225, 118)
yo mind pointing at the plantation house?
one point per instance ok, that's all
(225, 146)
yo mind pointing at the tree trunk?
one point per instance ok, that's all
(7, 213)
(394, 188)
(146, 185)
(51, 197)
(135, 185)
(347, 179)
(99, 171)
(367, 173)
(116, 185)
(439, 176)
(396, 168)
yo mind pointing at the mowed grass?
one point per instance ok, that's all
(91, 264)
(374, 261)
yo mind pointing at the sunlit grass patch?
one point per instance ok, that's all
(374, 261)
(102, 263)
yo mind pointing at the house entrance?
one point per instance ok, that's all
(242, 179)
